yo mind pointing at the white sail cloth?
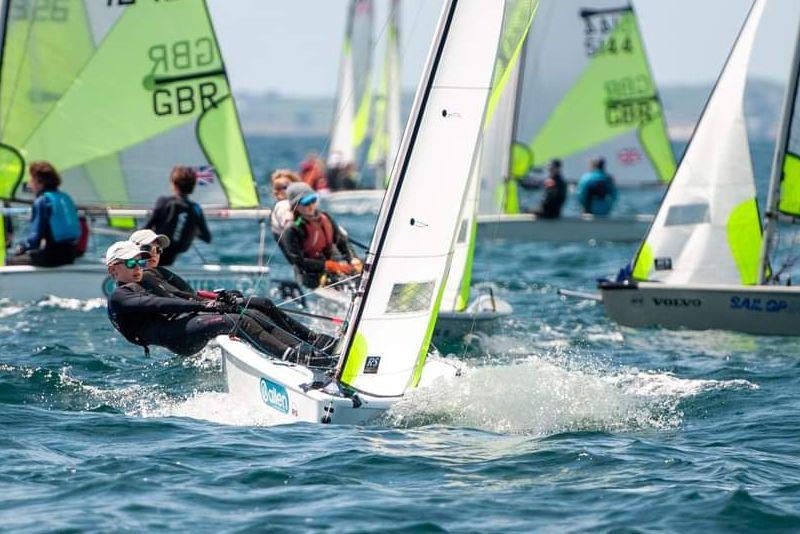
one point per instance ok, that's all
(707, 230)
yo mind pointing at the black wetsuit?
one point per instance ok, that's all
(308, 269)
(163, 282)
(555, 194)
(181, 220)
(186, 326)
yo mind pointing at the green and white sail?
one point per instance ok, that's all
(707, 230)
(388, 126)
(114, 94)
(394, 313)
(351, 122)
(585, 89)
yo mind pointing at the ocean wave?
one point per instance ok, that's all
(542, 397)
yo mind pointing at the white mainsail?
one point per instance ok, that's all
(707, 230)
(394, 313)
(354, 93)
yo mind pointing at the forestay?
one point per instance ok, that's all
(387, 128)
(354, 93)
(707, 230)
(394, 313)
(115, 94)
(586, 90)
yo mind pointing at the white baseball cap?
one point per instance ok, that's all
(123, 250)
(147, 237)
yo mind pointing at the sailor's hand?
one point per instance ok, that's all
(338, 267)
(19, 249)
(357, 265)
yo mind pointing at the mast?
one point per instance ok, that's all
(771, 213)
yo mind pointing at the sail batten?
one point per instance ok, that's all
(115, 96)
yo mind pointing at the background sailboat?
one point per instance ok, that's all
(383, 125)
(701, 263)
(390, 324)
(580, 86)
(115, 96)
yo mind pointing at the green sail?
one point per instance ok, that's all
(114, 96)
(614, 95)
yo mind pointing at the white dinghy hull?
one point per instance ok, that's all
(528, 227)
(482, 315)
(768, 310)
(284, 390)
(89, 281)
(355, 202)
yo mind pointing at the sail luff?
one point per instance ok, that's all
(781, 147)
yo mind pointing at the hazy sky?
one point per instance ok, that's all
(293, 46)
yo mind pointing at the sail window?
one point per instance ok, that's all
(462, 232)
(410, 297)
(687, 214)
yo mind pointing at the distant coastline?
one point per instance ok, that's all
(275, 114)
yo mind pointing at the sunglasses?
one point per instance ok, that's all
(280, 187)
(308, 199)
(134, 263)
(154, 249)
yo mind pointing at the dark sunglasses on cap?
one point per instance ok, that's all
(309, 199)
(133, 263)
(151, 248)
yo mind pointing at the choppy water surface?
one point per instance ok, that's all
(563, 420)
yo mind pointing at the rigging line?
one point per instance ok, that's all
(309, 293)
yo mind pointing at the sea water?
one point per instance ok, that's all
(563, 420)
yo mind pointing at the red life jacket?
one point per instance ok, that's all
(319, 236)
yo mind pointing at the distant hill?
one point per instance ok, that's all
(274, 114)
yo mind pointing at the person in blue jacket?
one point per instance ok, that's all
(596, 189)
(54, 226)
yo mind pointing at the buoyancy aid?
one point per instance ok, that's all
(318, 236)
(63, 220)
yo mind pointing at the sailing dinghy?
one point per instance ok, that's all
(354, 109)
(578, 85)
(384, 351)
(704, 264)
(114, 94)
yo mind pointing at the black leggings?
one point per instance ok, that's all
(189, 333)
(277, 317)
